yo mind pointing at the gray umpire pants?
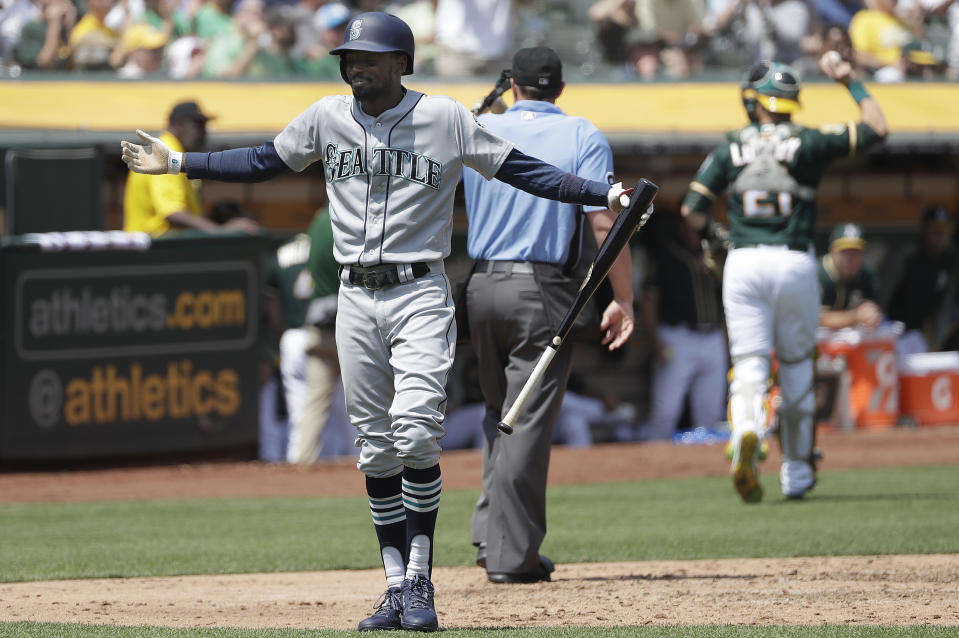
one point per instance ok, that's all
(509, 331)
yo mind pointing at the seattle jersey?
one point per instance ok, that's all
(772, 174)
(391, 178)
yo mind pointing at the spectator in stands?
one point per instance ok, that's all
(211, 18)
(91, 40)
(772, 29)
(14, 15)
(878, 36)
(421, 16)
(318, 31)
(725, 25)
(672, 31)
(836, 12)
(473, 38)
(920, 60)
(156, 204)
(943, 14)
(42, 41)
(185, 57)
(683, 318)
(849, 289)
(258, 45)
(142, 51)
(613, 20)
(919, 298)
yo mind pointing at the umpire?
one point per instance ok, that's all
(516, 297)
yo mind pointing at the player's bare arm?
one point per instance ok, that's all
(618, 320)
(840, 71)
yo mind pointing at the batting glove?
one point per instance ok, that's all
(154, 158)
(618, 197)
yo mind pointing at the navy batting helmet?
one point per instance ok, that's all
(380, 33)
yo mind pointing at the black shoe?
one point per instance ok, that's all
(418, 612)
(387, 614)
(541, 573)
(481, 555)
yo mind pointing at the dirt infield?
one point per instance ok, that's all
(887, 590)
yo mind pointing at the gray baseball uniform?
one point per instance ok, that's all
(390, 181)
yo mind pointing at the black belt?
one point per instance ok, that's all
(509, 267)
(376, 277)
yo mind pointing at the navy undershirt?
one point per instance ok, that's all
(260, 163)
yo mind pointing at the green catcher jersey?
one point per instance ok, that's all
(771, 173)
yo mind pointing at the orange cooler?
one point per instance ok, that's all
(874, 377)
(929, 388)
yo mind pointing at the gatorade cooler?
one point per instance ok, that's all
(873, 389)
(929, 388)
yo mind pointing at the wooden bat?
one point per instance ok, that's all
(627, 223)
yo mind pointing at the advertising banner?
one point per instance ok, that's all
(114, 352)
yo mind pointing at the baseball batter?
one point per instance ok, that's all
(772, 169)
(392, 159)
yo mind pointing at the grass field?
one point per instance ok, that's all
(854, 512)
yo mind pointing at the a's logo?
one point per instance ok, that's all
(355, 29)
(45, 398)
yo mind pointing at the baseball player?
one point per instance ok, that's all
(772, 169)
(392, 159)
(848, 286)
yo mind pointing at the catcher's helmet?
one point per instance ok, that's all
(378, 32)
(772, 84)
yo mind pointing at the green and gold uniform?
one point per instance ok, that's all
(771, 298)
(772, 173)
(845, 295)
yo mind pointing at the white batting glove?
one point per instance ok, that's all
(154, 158)
(618, 197)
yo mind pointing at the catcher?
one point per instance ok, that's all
(772, 169)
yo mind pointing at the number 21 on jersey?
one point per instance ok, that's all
(760, 203)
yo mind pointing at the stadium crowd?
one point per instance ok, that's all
(602, 40)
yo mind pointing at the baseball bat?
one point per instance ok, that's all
(627, 223)
(502, 84)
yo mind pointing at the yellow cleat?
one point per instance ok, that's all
(744, 468)
(763, 451)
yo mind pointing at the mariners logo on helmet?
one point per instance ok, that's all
(773, 85)
(355, 29)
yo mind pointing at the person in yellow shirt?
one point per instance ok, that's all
(878, 35)
(91, 41)
(155, 204)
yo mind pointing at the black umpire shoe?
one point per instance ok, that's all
(387, 614)
(418, 612)
(541, 573)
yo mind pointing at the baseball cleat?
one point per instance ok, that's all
(744, 468)
(797, 478)
(763, 451)
(387, 614)
(418, 612)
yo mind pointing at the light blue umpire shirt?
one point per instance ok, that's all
(507, 224)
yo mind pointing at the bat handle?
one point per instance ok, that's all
(506, 425)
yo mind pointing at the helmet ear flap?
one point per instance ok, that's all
(749, 103)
